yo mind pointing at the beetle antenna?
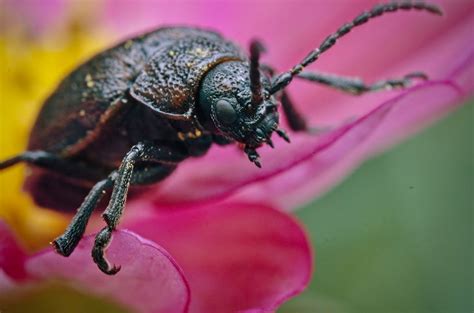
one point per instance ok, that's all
(284, 79)
(255, 84)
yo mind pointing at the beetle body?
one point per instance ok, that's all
(143, 89)
(131, 114)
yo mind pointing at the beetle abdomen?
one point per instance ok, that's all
(76, 107)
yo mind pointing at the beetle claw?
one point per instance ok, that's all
(102, 240)
(112, 271)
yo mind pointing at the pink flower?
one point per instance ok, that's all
(225, 258)
(236, 250)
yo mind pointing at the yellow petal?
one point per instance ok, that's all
(29, 71)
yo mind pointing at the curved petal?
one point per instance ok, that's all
(237, 257)
(150, 280)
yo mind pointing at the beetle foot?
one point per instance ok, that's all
(102, 240)
(63, 246)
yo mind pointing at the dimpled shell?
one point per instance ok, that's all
(161, 69)
(169, 82)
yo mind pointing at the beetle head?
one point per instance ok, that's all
(226, 106)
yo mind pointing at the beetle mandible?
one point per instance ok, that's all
(132, 113)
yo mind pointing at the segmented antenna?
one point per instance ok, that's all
(255, 84)
(284, 79)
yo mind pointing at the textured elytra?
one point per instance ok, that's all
(84, 99)
(170, 80)
(92, 119)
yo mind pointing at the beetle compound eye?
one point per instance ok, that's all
(225, 112)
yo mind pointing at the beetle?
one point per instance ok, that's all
(132, 113)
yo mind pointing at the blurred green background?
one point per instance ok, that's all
(395, 237)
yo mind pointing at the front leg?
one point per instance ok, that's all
(357, 86)
(295, 119)
(142, 152)
(115, 209)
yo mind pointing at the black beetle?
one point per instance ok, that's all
(132, 113)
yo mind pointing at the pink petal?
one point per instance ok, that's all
(237, 257)
(150, 280)
(36, 16)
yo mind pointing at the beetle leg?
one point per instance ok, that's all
(102, 240)
(356, 86)
(115, 209)
(67, 242)
(295, 119)
(11, 161)
(144, 152)
(56, 163)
